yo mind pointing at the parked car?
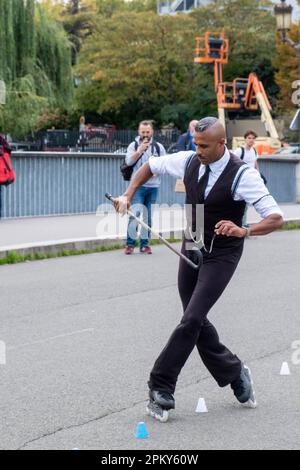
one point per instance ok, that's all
(121, 150)
(24, 146)
(57, 140)
(289, 150)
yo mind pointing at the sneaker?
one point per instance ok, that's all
(128, 250)
(243, 388)
(146, 249)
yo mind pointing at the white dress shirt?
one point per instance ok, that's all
(250, 188)
(250, 155)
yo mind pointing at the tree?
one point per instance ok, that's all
(35, 63)
(53, 65)
(136, 68)
(78, 17)
(108, 8)
(7, 42)
(53, 8)
(78, 20)
(251, 30)
(287, 63)
(23, 108)
(136, 65)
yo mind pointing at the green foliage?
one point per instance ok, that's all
(22, 96)
(7, 42)
(78, 20)
(251, 31)
(54, 59)
(135, 66)
(108, 8)
(35, 63)
(13, 257)
(132, 64)
(134, 75)
(53, 8)
(287, 63)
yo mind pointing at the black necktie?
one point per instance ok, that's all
(202, 183)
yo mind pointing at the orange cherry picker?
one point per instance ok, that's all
(243, 96)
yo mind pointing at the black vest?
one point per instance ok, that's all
(219, 204)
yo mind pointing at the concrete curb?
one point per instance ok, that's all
(55, 247)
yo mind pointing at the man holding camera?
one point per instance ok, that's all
(139, 152)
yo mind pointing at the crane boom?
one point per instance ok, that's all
(242, 95)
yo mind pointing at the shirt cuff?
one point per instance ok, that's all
(273, 210)
(128, 161)
(154, 165)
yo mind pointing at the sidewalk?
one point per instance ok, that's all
(54, 234)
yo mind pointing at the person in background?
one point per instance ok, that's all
(185, 141)
(138, 153)
(82, 134)
(82, 124)
(248, 153)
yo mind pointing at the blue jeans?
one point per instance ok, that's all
(141, 204)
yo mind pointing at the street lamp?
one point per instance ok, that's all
(283, 14)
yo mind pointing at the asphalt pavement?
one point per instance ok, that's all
(81, 335)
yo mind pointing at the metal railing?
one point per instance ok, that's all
(75, 183)
(67, 183)
(105, 140)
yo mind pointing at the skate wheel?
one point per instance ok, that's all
(162, 415)
(250, 404)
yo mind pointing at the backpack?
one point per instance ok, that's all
(243, 152)
(127, 170)
(7, 174)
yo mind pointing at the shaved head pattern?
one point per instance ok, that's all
(213, 125)
(206, 123)
(209, 138)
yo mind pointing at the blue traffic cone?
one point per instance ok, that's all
(141, 431)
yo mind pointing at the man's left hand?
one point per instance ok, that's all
(229, 229)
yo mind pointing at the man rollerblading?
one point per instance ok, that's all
(223, 184)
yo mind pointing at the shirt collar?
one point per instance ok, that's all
(219, 165)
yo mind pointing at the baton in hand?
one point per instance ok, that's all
(197, 253)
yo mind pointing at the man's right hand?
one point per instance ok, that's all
(143, 147)
(121, 204)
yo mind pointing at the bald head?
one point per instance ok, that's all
(209, 138)
(211, 125)
(192, 125)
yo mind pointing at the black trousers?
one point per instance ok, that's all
(199, 291)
